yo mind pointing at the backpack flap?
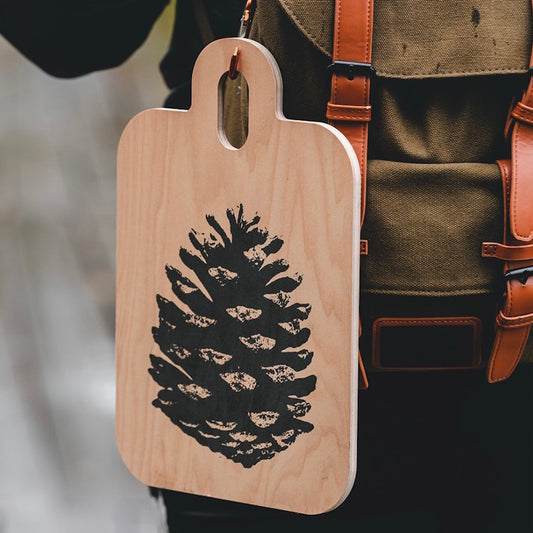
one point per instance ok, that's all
(415, 39)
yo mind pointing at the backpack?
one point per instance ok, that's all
(443, 136)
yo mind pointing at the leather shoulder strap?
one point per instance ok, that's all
(513, 323)
(521, 200)
(349, 106)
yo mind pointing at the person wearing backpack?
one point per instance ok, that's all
(445, 242)
(435, 99)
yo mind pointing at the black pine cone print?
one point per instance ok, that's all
(233, 350)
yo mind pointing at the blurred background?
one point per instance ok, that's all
(60, 470)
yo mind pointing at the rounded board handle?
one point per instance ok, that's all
(262, 74)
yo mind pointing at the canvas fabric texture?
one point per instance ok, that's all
(419, 39)
(434, 192)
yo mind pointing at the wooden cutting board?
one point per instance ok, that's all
(237, 297)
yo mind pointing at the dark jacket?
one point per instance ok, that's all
(68, 39)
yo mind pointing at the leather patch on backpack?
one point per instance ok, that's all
(431, 343)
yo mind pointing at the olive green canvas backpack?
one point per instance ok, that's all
(437, 102)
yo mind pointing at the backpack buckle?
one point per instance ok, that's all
(350, 69)
(521, 274)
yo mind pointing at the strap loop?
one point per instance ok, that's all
(506, 252)
(523, 113)
(514, 321)
(354, 113)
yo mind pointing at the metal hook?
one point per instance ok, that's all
(233, 64)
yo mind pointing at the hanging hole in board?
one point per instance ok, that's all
(233, 109)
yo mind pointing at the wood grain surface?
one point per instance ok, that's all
(302, 179)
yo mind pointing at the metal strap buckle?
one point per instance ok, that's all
(350, 69)
(521, 274)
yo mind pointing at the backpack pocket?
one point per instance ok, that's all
(426, 290)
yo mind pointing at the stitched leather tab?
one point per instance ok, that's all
(521, 199)
(434, 343)
(514, 321)
(347, 112)
(507, 253)
(523, 113)
(521, 212)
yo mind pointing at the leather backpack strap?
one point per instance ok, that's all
(349, 106)
(521, 200)
(513, 323)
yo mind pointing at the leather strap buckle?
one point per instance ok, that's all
(521, 274)
(350, 69)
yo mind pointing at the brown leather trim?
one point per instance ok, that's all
(417, 322)
(352, 41)
(513, 323)
(346, 112)
(523, 113)
(363, 247)
(507, 341)
(521, 213)
(507, 253)
(429, 321)
(350, 97)
(521, 200)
